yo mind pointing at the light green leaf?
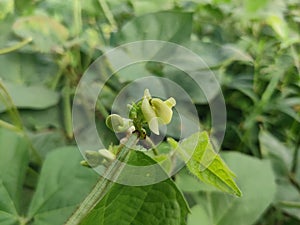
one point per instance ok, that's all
(47, 33)
(144, 6)
(159, 204)
(14, 158)
(62, 185)
(257, 181)
(167, 26)
(187, 183)
(30, 97)
(206, 164)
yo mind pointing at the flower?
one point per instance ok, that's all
(157, 111)
(118, 123)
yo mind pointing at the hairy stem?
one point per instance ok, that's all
(104, 184)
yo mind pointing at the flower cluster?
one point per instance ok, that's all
(149, 112)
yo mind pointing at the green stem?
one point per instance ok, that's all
(296, 58)
(295, 157)
(108, 14)
(67, 110)
(104, 183)
(11, 108)
(57, 78)
(77, 17)
(102, 109)
(16, 118)
(10, 127)
(15, 47)
(153, 147)
(294, 181)
(290, 204)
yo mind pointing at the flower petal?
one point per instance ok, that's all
(147, 110)
(162, 110)
(153, 125)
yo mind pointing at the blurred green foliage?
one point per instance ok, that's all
(252, 46)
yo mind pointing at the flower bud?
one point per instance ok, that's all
(97, 158)
(118, 123)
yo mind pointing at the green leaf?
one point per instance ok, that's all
(29, 69)
(159, 204)
(144, 6)
(30, 97)
(206, 164)
(281, 157)
(273, 149)
(47, 33)
(46, 141)
(257, 181)
(62, 185)
(166, 26)
(187, 183)
(14, 158)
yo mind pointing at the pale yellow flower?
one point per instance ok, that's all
(157, 111)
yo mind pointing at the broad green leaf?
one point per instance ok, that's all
(46, 32)
(30, 97)
(166, 26)
(62, 185)
(42, 119)
(29, 69)
(46, 141)
(160, 204)
(257, 181)
(281, 157)
(206, 164)
(14, 158)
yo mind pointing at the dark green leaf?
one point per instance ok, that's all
(14, 158)
(30, 97)
(159, 204)
(166, 26)
(62, 185)
(29, 69)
